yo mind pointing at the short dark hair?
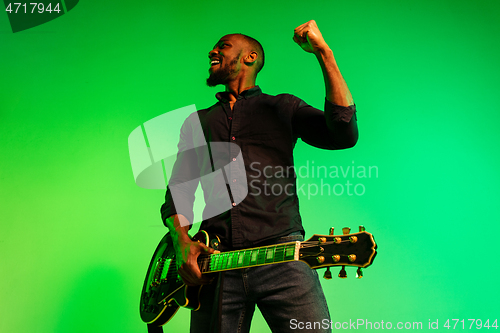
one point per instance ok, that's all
(256, 46)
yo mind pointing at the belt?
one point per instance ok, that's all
(294, 236)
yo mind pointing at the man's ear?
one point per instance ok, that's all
(251, 58)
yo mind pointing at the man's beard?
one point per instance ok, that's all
(221, 75)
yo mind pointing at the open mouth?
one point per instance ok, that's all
(214, 62)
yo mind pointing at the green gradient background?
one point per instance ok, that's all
(77, 233)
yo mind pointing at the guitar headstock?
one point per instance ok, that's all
(356, 249)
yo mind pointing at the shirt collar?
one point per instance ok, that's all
(223, 95)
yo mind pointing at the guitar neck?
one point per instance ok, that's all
(257, 256)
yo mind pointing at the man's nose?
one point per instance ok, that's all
(212, 53)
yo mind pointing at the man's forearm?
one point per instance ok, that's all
(179, 226)
(187, 251)
(336, 87)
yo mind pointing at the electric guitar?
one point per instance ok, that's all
(164, 292)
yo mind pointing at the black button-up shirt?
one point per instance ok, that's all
(257, 201)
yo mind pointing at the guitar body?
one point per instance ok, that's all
(164, 292)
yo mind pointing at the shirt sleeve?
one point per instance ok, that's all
(335, 128)
(184, 180)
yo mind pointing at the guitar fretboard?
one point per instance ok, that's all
(258, 256)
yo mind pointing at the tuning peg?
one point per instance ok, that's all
(342, 273)
(361, 228)
(359, 273)
(328, 274)
(346, 230)
(331, 230)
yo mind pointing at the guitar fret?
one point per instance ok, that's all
(240, 256)
(253, 258)
(261, 256)
(215, 262)
(211, 263)
(270, 254)
(279, 254)
(246, 260)
(230, 260)
(219, 264)
(284, 252)
(222, 260)
(290, 251)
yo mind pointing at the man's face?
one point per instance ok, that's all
(225, 60)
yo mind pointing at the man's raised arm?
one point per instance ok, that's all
(310, 39)
(338, 128)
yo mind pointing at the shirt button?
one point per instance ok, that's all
(233, 138)
(234, 204)
(234, 159)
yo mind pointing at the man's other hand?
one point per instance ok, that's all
(309, 37)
